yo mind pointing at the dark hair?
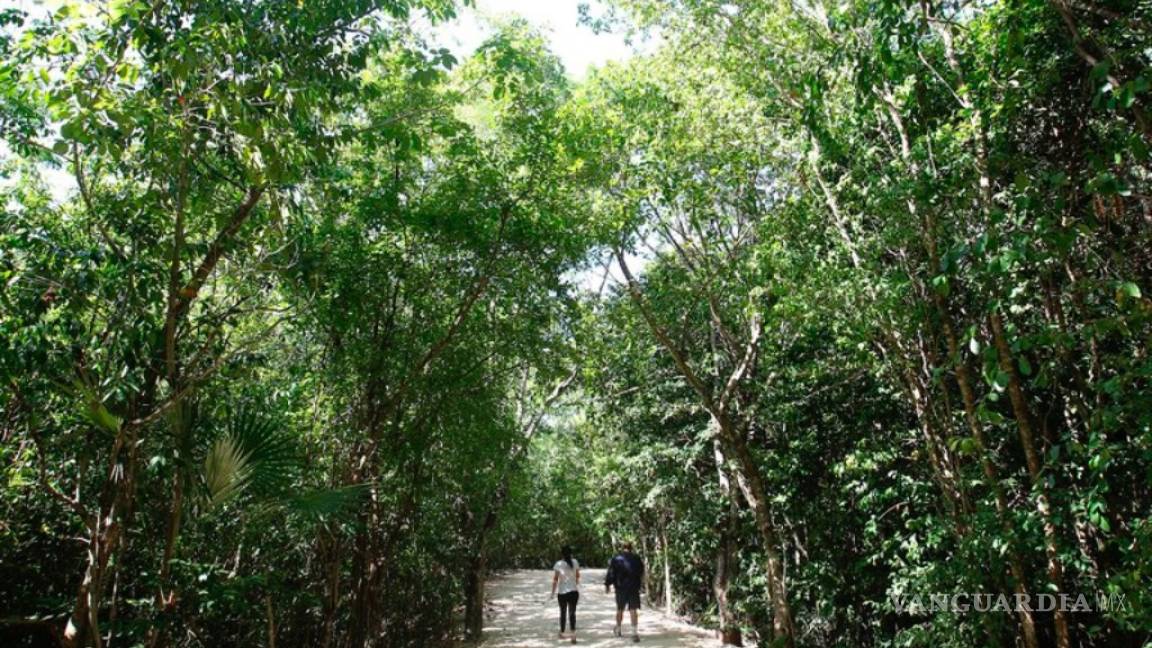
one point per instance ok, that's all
(566, 551)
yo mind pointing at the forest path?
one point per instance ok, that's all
(522, 616)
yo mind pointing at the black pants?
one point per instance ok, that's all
(568, 609)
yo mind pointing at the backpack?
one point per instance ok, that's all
(627, 570)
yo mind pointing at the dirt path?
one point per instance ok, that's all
(522, 616)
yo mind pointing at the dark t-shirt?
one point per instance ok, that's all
(625, 571)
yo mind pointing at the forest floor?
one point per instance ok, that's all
(521, 615)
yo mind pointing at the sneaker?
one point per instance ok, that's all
(573, 639)
(616, 631)
(635, 638)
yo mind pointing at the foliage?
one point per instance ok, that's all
(294, 327)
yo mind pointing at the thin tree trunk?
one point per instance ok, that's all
(474, 597)
(156, 636)
(725, 558)
(756, 494)
(750, 480)
(118, 492)
(365, 568)
(725, 554)
(332, 587)
(669, 603)
(726, 568)
(1035, 467)
(104, 534)
(271, 614)
(991, 474)
(76, 629)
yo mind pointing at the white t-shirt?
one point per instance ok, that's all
(567, 581)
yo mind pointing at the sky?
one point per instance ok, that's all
(576, 45)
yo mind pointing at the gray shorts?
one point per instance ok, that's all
(627, 597)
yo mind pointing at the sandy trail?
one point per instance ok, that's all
(522, 616)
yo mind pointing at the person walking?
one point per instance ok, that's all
(626, 573)
(566, 582)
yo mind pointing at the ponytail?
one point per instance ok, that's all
(567, 553)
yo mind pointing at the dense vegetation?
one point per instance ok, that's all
(306, 326)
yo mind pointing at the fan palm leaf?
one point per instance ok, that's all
(251, 456)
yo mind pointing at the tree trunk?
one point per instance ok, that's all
(669, 604)
(332, 557)
(365, 568)
(157, 637)
(1015, 562)
(991, 474)
(1035, 467)
(76, 629)
(271, 614)
(725, 568)
(104, 534)
(755, 493)
(735, 444)
(725, 554)
(474, 597)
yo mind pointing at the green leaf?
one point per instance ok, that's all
(1130, 289)
(940, 285)
(1025, 366)
(328, 502)
(72, 130)
(1106, 183)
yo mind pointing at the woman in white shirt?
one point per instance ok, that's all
(566, 581)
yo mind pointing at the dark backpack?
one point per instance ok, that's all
(627, 570)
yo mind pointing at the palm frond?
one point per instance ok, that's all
(227, 470)
(328, 502)
(252, 456)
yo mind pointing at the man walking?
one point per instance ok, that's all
(626, 572)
